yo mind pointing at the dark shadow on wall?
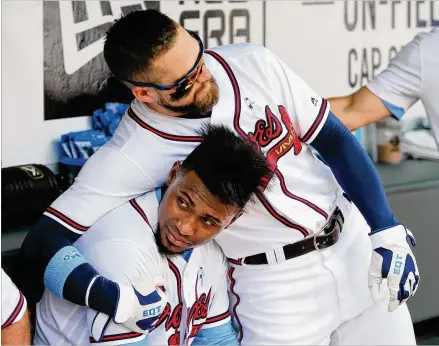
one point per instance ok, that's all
(86, 103)
(90, 85)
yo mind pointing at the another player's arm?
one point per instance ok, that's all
(392, 92)
(15, 317)
(107, 180)
(359, 109)
(218, 328)
(137, 259)
(17, 333)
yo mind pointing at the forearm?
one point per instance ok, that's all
(341, 107)
(64, 271)
(359, 109)
(17, 333)
(355, 172)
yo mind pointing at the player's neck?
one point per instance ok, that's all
(166, 112)
(162, 110)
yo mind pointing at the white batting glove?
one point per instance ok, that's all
(392, 259)
(140, 304)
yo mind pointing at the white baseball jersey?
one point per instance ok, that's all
(262, 100)
(412, 75)
(121, 246)
(13, 302)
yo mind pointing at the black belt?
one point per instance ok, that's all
(327, 237)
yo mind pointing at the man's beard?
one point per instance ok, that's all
(160, 246)
(200, 106)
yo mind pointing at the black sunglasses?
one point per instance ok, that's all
(184, 83)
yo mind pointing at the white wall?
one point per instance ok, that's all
(26, 137)
(312, 39)
(316, 42)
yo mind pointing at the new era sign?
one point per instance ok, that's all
(75, 73)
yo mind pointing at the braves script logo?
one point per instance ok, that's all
(198, 311)
(266, 131)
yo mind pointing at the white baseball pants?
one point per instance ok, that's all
(320, 298)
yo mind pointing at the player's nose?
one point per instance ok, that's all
(186, 226)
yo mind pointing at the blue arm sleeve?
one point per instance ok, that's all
(355, 172)
(221, 335)
(50, 258)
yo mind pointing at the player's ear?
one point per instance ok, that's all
(147, 95)
(236, 217)
(173, 173)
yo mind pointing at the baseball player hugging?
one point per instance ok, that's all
(318, 257)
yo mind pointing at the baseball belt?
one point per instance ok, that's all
(325, 238)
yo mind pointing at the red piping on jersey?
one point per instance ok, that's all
(66, 219)
(238, 129)
(140, 211)
(234, 261)
(160, 133)
(235, 91)
(279, 217)
(177, 277)
(232, 286)
(122, 336)
(316, 122)
(289, 194)
(217, 318)
(15, 313)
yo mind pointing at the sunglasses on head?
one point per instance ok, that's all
(185, 83)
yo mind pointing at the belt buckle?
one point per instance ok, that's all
(333, 223)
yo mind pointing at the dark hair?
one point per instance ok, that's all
(230, 168)
(134, 40)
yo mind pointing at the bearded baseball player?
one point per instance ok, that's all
(411, 76)
(205, 195)
(320, 237)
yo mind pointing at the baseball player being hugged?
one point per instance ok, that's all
(319, 236)
(204, 195)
